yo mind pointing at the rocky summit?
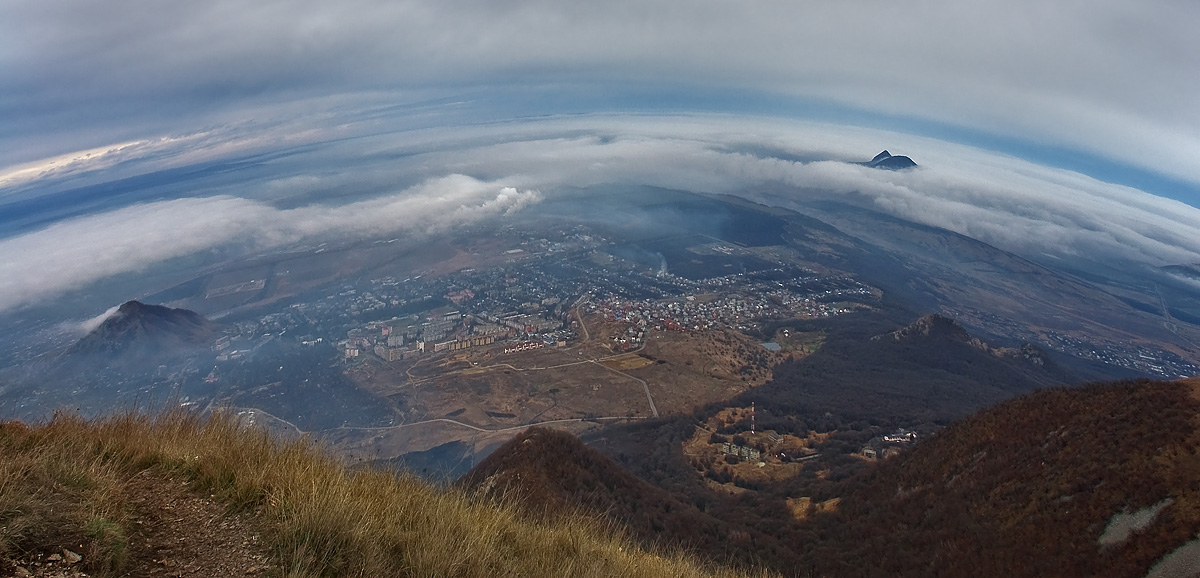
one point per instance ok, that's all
(886, 160)
(139, 329)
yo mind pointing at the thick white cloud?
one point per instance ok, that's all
(1011, 203)
(70, 254)
(1112, 78)
(1014, 204)
(89, 325)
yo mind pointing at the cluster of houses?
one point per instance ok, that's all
(398, 339)
(882, 447)
(743, 452)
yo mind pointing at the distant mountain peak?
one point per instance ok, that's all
(142, 329)
(135, 307)
(939, 327)
(150, 317)
(888, 161)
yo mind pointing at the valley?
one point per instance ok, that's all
(582, 322)
(747, 361)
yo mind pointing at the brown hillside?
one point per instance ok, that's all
(550, 472)
(178, 495)
(1028, 488)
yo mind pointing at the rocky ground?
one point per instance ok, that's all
(174, 532)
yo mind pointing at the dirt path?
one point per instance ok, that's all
(172, 532)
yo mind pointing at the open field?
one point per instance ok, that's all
(629, 361)
(483, 396)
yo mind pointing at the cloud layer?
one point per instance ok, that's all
(348, 186)
(1111, 78)
(71, 254)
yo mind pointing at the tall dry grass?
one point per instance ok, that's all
(320, 518)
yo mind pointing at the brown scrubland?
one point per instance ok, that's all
(123, 493)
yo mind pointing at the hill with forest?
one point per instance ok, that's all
(871, 375)
(546, 471)
(1099, 480)
(929, 369)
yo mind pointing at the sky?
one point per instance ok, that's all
(1071, 126)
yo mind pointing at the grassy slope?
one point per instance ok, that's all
(67, 478)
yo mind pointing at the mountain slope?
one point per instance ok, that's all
(142, 332)
(1041, 485)
(929, 370)
(874, 372)
(550, 472)
(133, 358)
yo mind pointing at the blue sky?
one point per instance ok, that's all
(1067, 125)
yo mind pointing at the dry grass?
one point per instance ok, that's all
(628, 362)
(321, 519)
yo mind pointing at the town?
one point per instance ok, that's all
(528, 303)
(525, 302)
